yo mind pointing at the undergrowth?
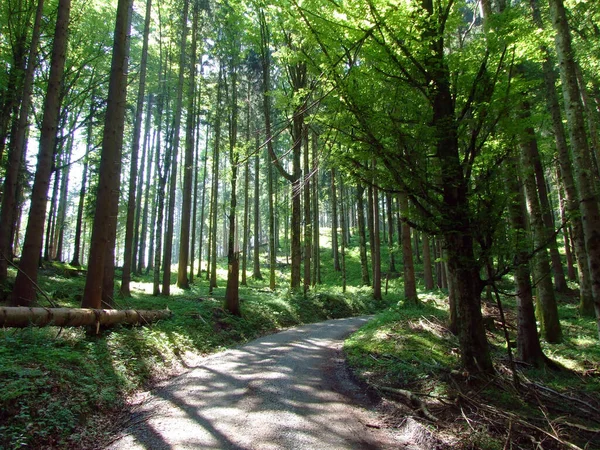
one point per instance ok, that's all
(412, 360)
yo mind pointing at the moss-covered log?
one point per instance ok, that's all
(20, 317)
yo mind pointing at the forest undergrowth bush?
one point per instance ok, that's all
(410, 358)
(62, 389)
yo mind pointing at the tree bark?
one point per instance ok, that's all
(390, 233)
(16, 152)
(334, 224)
(588, 199)
(215, 189)
(23, 317)
(375, 251)
(528, 342)
(138, 257)
(24, 290)
(410, 284)
(183, 281)
(307, 213)
(256, 250)
(168, 250)
(107, 200)
(547, 310)
(133, 169)
(362, 238)
(427, 272)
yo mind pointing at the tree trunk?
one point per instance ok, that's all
(24, 289)
(547, 310)
(215, 189)
(23, 317)
(256, 250)
(232, 298)
(590, 212)
(410, 284)
(427, 272)
(376, 254)
(142, 196)
(344, 234)
(16, 152)
(316, 276)
(390, 233)
(168, 250)
(61, 212)
(528, 343)
(133, 169)
(565, 228)
(183, 281)
(107, 200)
(362, 238)
(307, 213)
(202, 207)
(334, 224)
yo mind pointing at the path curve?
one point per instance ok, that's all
(284, 391)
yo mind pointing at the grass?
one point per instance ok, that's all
(410, 348)
(62, 389)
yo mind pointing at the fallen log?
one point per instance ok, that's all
(22, 316)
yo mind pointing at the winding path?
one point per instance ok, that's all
(289, 390)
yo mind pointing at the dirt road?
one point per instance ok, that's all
(289, 390)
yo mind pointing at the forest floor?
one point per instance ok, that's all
(60, 388)
(410, 360)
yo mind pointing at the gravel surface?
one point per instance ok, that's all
(290, 390)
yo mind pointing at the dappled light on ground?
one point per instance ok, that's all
(280, 391)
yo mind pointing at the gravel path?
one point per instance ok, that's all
(289, 390)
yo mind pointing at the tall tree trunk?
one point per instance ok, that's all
(362, 238)
(547, 310)
(316, 276)
(16, 152)
(581, 152)
(215, 189)
(141, 196)
(149, 207)
(410, 284)
(564, 158)
(24, 290)
(107, 199)
(183, 281)
(202, 207)
(334, 224)
(307, 213)
(256, 250)
(427, 272)
(232, 298)
(272, 224)
(343, 225)
(61, 212)
(528, 343)
(79, 221)
(390, 233)
(168, 250)
(375, 251)
(133, 172)
(49, 250)
(194, 216)
(565, 228)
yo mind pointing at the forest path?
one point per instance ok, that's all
(289, 390)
